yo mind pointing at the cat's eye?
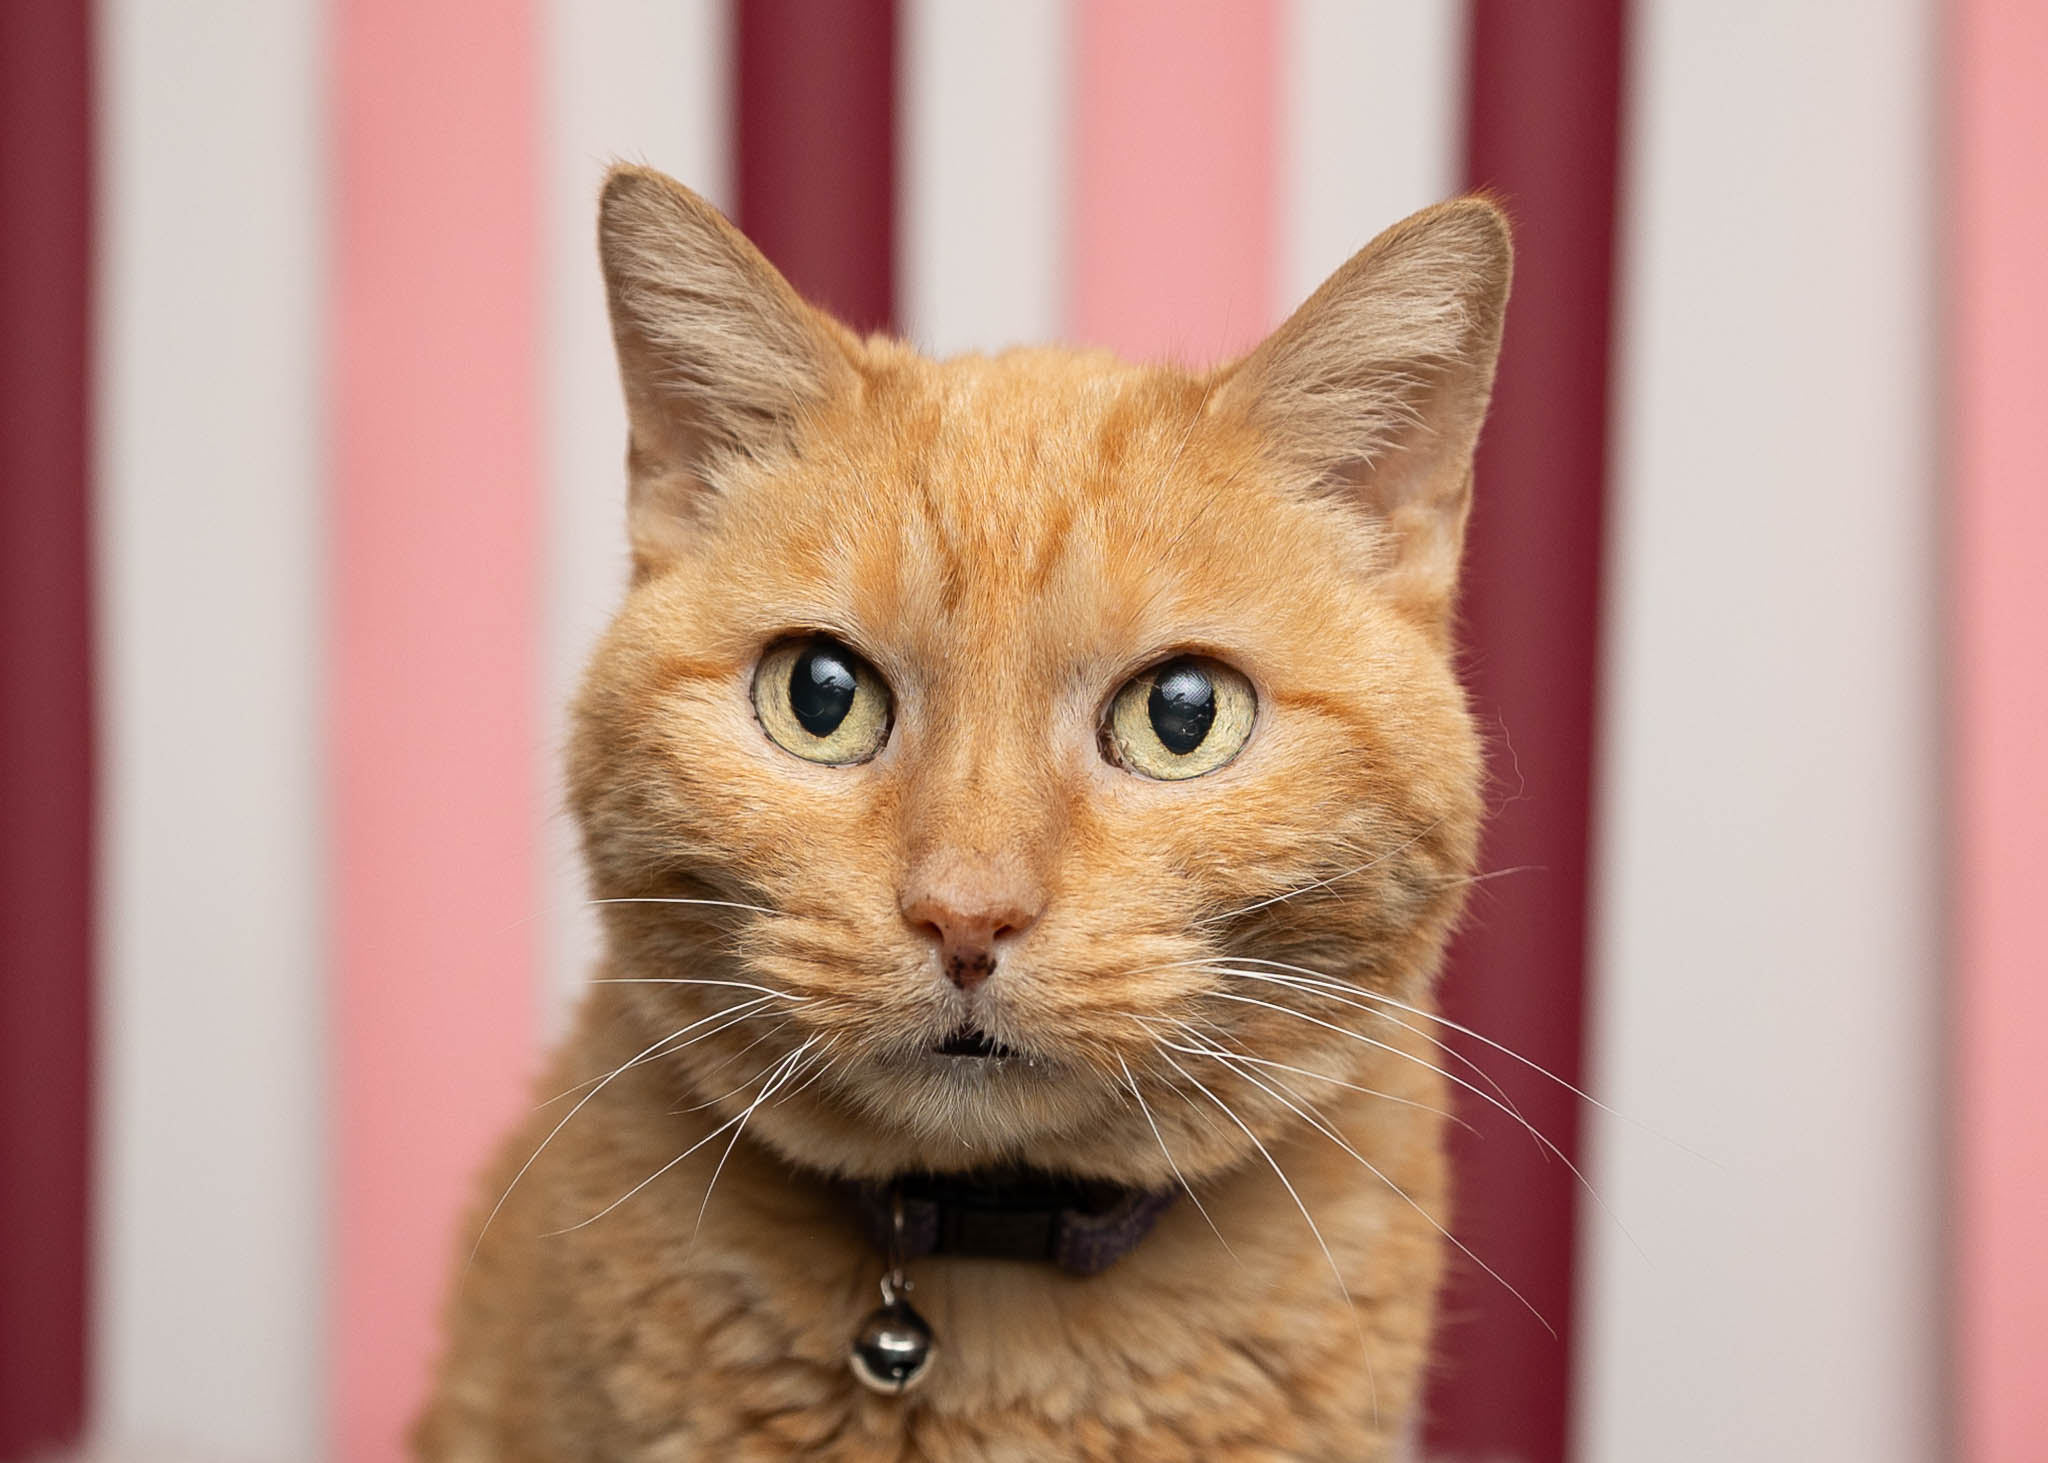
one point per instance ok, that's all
(1180, 719)
(821, 702)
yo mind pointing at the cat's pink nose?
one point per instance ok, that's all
(969, 913)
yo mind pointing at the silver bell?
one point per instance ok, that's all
(892, 1351)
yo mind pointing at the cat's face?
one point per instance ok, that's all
(1032, 718)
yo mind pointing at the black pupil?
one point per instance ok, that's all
(821, 688)
(1182, 707)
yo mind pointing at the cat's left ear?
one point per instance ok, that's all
(720, 357)
(1376, 387)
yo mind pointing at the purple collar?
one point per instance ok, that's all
(1084, 1228)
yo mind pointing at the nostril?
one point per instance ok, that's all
(931, 930)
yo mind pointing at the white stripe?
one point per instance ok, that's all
(639, 81)
(982, 217)
(1374, 98)
(1766, 938)
(209, 490)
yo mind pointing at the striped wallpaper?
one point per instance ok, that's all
(313, 505)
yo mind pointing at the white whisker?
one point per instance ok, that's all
(715, 1132)
(776, 1030)
(710, 903)
(1360, 1037)
(1243, 1054)
(1336, 1271)
(1204, 1048)
(554, 909)
(1386, 1000)
(1187, 1188)
(1477, 1092)
(1338, 991)
(534, 1157)
(1484, 1040)
(1323, 1126)
(741, 1011)
(821, 1063)
(1324, 883)
(738, 985)
(782, 1072)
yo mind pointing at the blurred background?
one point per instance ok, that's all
(312, 506)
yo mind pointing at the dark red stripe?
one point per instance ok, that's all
(817, 148)
(1545, 84)
(46, 731)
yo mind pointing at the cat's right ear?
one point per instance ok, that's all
(719, 356)
(1376, 387)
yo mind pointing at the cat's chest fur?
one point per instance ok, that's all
(642, 1336)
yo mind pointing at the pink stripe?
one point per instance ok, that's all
(432, 711)
(2000, 728)
(1175, 175)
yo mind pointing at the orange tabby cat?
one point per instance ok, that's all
(1005, 775)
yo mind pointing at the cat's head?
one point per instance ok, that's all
(1008, 733)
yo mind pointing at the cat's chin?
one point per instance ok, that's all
(996, 1088)
(977, 1085)
(971, 1043)
(936, 1111)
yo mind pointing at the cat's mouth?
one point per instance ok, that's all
(971, 1041)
